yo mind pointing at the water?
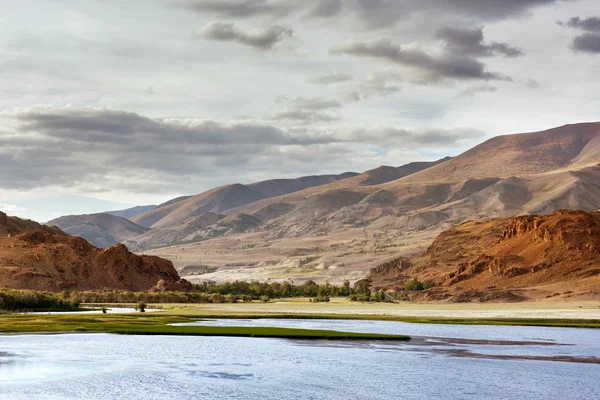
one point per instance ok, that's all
(443, 361)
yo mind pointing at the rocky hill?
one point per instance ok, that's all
(527, 257)
(101, 230)
(34, 256)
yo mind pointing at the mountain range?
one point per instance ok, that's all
(335, 227)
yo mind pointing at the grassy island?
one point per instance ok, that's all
(149, 324)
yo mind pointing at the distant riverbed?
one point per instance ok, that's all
(442, 361)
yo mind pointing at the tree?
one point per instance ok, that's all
(363, 286)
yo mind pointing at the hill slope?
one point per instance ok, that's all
(576, 146)
(101, 230)
(556, 255)
(131, 212)
(33, 256)
(223, 198)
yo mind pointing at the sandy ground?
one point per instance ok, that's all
(338, 256)
(542, 310)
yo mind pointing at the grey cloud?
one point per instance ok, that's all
(240, 8)
(303, 116)
(370, 14)
(307, 110)
(327, 79)
(587, 43)
(376, 14)
(473, 90)
(591, 24)
(89, 150)
(414, 139)
(426, 68)
(261, 39)
(470, 42)
(326, 9)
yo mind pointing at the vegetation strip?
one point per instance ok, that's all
(159, 325)
(558, 323)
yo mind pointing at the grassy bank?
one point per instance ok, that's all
(136, 324)
(558, 323)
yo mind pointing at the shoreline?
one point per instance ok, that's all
(583, 310)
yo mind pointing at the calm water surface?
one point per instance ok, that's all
(442, 361)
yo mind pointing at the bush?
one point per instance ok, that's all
(413, 285)
(141, 307)
(21, 300)
(265, 299)
(320, 299)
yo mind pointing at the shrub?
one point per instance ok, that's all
(141, 307)
(413, 285)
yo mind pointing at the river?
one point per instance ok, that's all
(442, 361)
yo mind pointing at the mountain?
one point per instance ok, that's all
(528, 257)
(34, 256)
(177, 226)
(130, 212)
(101, 230)
(223, 198)
(348, 226)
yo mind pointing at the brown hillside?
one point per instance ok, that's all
(101, 230)
(224, 198)
(34, 256)
(576, 145)
(556, 255)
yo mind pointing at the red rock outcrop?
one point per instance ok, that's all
(537, 256)
(33, 256)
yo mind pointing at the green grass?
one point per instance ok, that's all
(135, 324)
(559, 323)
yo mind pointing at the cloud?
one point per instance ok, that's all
(369, 14)
(587, 43)
(260, 39)
(306, 111)
(413, 139)
(470, 42)
(376, 84)
(377, 14)
(111, 151)
(591, 24)
(473, 90)
(239, 8)
(426, 68)
(325, 9)
(11, 209)
(327, 79)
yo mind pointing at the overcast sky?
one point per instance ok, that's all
(110, 103)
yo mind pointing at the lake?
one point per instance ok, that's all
(442, 361)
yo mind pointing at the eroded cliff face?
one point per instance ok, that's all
(547, 255)
(33, 256)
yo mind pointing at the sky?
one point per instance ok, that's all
(107, 104)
